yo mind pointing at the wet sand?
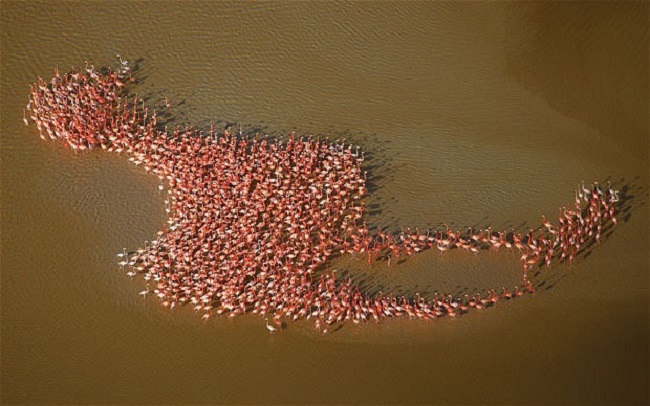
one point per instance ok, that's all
(472, 114)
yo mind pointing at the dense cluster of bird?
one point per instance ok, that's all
(254, 220)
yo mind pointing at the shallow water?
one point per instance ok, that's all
(471, 114)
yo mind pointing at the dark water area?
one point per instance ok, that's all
(471, 114)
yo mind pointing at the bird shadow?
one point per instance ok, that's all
(380, 166)
(632, 197)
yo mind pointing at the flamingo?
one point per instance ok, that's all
(143, 293)
(253, 219)
(270, 327)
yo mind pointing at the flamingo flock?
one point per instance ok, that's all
(253, 221)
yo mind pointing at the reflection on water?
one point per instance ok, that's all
(473, 114)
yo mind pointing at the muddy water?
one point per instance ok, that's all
(471, 114)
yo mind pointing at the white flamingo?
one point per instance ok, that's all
(270, 327)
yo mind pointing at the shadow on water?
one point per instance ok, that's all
(632, 197)
(170, 115)
(379, 167)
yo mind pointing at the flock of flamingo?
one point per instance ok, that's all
(254, 220)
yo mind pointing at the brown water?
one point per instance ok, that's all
(472, 114)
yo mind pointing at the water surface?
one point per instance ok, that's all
(472, 114)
